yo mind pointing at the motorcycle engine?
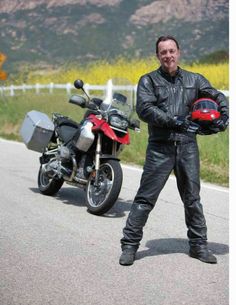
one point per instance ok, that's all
(64, 153)
(60, 165)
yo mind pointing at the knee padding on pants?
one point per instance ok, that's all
(139, 213)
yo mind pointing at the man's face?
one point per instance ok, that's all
(168, 55)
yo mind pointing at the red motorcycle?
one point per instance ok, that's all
(85, 154)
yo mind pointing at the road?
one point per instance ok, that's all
(52, 251)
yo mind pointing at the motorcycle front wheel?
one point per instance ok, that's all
(47, 185)
(101, 197)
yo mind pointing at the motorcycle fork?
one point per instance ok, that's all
(97, 157)
(98, 154)
(114, 148)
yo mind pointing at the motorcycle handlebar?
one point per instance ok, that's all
(94, 105)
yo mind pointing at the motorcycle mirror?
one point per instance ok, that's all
(78, 83)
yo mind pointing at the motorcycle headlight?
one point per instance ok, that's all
(118, 122)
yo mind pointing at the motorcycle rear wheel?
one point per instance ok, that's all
(101, 198)
(48, 186)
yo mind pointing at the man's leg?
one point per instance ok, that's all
(188, 182)
(158, 166)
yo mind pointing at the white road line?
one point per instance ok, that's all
(11, 142)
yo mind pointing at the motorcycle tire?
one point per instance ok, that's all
(48, 186)
(100, 199)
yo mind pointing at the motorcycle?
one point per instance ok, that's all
(85, 154)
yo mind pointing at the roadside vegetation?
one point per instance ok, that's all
(100, 71)
(214, 150)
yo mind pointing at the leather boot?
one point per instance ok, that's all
(202, 253)
(128, 256)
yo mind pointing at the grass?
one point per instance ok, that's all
(214, 150)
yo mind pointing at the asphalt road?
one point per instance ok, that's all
(52, 251)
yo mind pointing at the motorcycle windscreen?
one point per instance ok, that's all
(120, 96)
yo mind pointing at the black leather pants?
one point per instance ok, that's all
(161, 159)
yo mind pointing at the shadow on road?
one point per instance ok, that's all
(176, 245)
(68, 195)
(118, 210)
(75, 196)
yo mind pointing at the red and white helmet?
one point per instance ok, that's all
(205, 110)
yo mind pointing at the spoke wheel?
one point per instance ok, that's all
(101, 197)
(48, 185)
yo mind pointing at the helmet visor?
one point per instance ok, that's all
(205, 104)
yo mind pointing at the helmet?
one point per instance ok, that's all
(204, 111)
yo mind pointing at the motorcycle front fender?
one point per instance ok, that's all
(107, 156)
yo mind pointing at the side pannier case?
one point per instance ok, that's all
(36, 130)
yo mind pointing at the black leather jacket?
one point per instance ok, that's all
(160, 97)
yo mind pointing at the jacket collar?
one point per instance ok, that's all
(168, 77)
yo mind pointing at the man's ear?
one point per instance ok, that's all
(179, 54)
(157, 56)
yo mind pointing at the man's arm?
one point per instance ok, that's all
(206, 90)
(146, 107)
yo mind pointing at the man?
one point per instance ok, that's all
(164, 99)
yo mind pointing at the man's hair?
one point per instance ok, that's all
(165, 38)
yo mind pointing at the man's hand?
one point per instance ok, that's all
(193, 127)
(216, 126)
(220, 123)
(185, 125)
